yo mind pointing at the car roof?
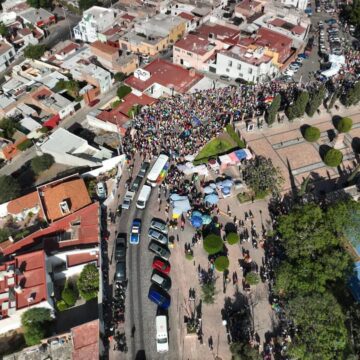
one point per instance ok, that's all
(136, 222)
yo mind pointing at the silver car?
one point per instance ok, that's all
(159, 225)
(160, 250)
(158, 236)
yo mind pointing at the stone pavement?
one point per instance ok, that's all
(297, 158)
(186, 277)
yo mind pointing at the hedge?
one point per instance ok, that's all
(252, 278)
(333, 157)
(213, 244)
(312, 134)
(232, 238)
(222, 263)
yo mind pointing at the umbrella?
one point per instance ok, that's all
(208, 190)
(175, 197)
(197, 213)
(196, 221)
(226, 190)
(227, 183)
(206, 219)
(176, 213)
(212, 185)
(211, 199)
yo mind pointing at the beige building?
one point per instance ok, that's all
(153, 35)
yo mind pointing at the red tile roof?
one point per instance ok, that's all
(25, 202)
(113, 116)
(195, 44)
(73, 191)
(68, 48)
(296, 29)
(104, 47)
(62, 233)
(247, 4)
(219, 31)
(128, 17)
(85, 339)
(81, 258)
(186, 16)
(166, 74)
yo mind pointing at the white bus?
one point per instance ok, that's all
(162, 344)
(159, 170)
(143, 197)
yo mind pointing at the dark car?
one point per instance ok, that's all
(143, 169)
(159, 297)
(161, 280)
(120, 271)
(120, 247)
(136, 184)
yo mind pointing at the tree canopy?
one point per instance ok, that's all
(35, 323)
(213, 244)
(86, 4)
(10, 188)
(261, 175)
(122, 91)
(46, 4)
(272, 110)
(297, 109)
(315, 100)
(221, 263)
(41, 163)
(344, 125)
(232, 238)
(34, 52)
(88, 282)
(312, 134)
(333, 157)
(322, 333)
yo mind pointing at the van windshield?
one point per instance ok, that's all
(162, 341)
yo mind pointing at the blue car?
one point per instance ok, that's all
(159, 297)
(135, 232)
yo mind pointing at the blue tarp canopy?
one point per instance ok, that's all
(208, 190)
(226, 190)
(240, 154)
(211, 199)
(196, 221)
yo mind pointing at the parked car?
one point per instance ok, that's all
(129, 196)
(158, 236)
(161, 265)
(159, 225)
(120, 271)
(161, 280)
(135, 232)
(120, 246)
(136, 184)
(159, 249)
(144, 167)
(159, 297)
(101, 190)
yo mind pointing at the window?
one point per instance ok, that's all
(230, 63)
(239, 66)
(227, 70)
(189, 53)
(250, 70)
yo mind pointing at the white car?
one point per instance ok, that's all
(101, 190)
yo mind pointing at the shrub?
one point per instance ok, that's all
(252, 278)
(208, 293)
(312, 134)
(213, 244)
(25, 145)
(70, 294)
(44, 130)
(35, 323)
(344, 125)
(34, 52)
(41, 163)
(119, 76)
(10, 188)
(333, 157)
(232, 238)
(222, 263)
(61, 305)
(122, 91)
(88, 282)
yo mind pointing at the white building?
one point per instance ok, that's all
(250, 65)
(7, 53)
(95, 20)
(74, 150)
(300, 4)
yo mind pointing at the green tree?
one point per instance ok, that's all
(222, 263)
(333, 157)
(10, 188)
(70, 293)
(36, 323)
(88, 282)
(297, 109)
(8, 127)
(315, 100)
(232, 238)
(352, 95)
(213, 244)
(4, 31)
(86, 4)
(26, 144)
(344, 125)
(119, 76)
(272, 110)
(243, 351)
(46, 4)
(41, 163)
(208, 293)
(233, 134)
(261, 176)
(312, 134)
(71, 86)
(252, 278)
(122, 91)
(322, 333)
(34, 52)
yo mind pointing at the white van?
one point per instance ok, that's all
(162, 343)
(143, 197)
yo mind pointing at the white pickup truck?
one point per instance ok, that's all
(128, 198)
